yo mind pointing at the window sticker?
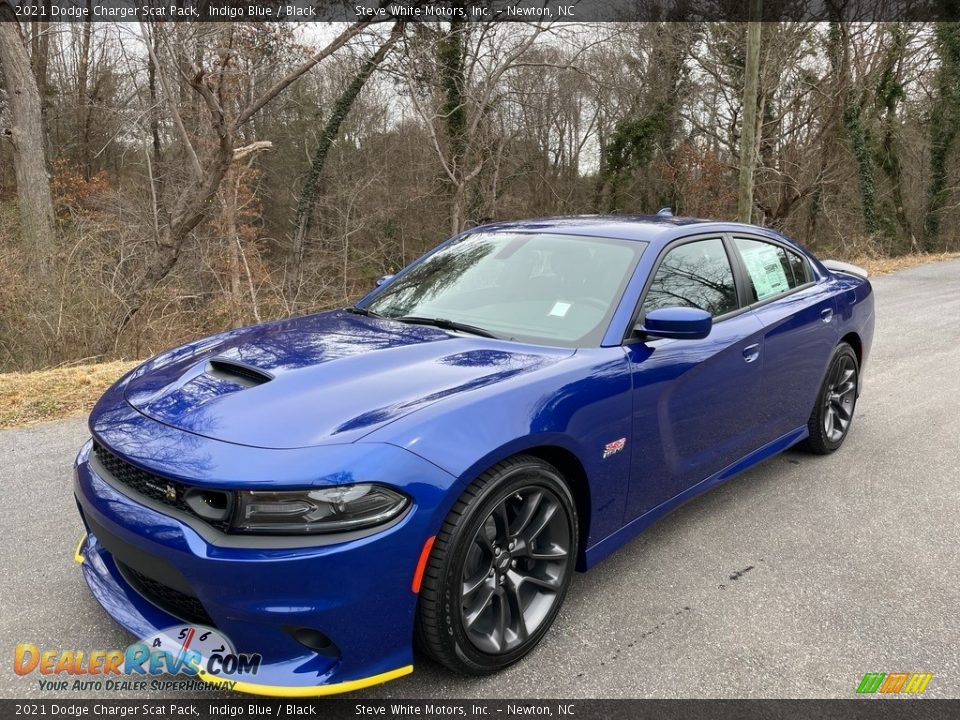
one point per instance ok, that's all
(766, 270)
(560, 309)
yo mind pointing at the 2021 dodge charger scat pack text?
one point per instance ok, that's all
(429, 467)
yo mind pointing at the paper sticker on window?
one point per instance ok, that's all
(560, 309)
(766, 270)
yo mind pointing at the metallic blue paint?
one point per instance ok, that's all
(364, 399)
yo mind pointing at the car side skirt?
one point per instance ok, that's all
(612, 542)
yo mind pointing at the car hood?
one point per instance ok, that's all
(327, 378)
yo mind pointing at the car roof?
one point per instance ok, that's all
(654, 229)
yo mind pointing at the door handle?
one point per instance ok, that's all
(751, 352)
(826, 314)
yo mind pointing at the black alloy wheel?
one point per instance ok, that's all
(514, 569)
(499, 569)
(830, 420)
(839, 399)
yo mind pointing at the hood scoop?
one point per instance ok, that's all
(237, 372)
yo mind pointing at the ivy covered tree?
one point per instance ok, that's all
(944, 126)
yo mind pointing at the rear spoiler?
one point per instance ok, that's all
(845, 268)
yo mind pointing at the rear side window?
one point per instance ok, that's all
(772, 270)
(801, 270)
(695, 274)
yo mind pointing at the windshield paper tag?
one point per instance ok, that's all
(560, 309)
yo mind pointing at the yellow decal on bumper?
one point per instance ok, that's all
(314, 691)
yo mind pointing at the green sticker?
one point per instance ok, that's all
(766, 270)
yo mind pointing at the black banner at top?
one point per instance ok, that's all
(478, 10)
(444, 709)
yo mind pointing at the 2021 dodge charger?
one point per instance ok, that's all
(429, 467)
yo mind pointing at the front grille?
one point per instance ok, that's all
(186, 607)
(169, 492)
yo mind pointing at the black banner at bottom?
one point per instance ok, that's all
(867, 709)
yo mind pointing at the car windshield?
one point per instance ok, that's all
(532, 287)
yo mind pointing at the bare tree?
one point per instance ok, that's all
(26, 138)
(192, 204)
(468, 63)
(748, 136)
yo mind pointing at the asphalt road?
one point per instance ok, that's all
(791, 581)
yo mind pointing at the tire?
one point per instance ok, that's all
(832, 415)
(489, 548)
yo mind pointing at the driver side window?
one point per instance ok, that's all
(696, 274)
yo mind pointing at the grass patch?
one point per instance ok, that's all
(884, 265)
(30, 398)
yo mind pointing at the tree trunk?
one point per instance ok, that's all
(457, 219)
(451, 52)
(154, 106)
(748, 135)
(231, 237)
(230, 203)
(83, 98)
(39, 59)
(889, 93)
(852, 119)
(37, 227)
(944, 127)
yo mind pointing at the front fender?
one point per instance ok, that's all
(580, 406)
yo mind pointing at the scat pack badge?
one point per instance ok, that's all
(612, 448)
(191, 650)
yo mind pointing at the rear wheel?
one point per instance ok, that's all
(832, 415)
(499, 569)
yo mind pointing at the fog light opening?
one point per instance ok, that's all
(315, 640)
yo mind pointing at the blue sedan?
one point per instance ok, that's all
(427, 468)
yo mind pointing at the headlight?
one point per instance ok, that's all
(326, 510)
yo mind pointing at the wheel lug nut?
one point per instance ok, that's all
(512, 544)
(513, 563)
(496, 551)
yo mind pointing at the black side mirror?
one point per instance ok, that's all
(679, 323)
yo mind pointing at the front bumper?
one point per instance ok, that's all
(357, 593)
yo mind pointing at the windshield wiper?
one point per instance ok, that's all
(445, 324)
(356, 310)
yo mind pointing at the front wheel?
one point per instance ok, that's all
(832, 415)
(499, 569)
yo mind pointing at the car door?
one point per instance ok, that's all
(800, 331)
(693, 400)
